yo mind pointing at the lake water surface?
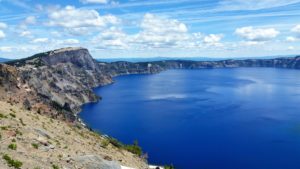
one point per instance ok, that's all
(242, 118)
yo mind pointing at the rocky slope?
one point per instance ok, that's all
(35, 141)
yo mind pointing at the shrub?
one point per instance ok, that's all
(169, 166)
(11, 162)
(12, 115)
(22, 122)
(2, 116)
(104, 143)
(115, 142)
(12, 146)
(55, 166)
(12, 110)
(4, 127)
(135, 148)
(34, 145)
(19, 132)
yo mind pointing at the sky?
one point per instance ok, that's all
(151, 28)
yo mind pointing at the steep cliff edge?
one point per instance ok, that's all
(60, 81)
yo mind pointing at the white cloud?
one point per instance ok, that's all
(155, 32)
(152, 23)
(296, 29)
(69, 42)
(30, 20)
(40, 40)
(75, 18)
(291, 39)
(94, 1)
(252, 34)
(250, 43)
(113, 38)
(2, 34)
(213, 39)
(25, 34)
(253, 4)
(158, 32)
(3, 25)
(5, 49)
(291, 48)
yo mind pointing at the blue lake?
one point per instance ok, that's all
(241, 118)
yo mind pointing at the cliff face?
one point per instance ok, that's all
(61, 81)
(58, 82)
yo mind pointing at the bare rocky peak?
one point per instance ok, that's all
(68, 49)
(77, 56)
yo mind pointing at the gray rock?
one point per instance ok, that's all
(42, 133)
(95, 162)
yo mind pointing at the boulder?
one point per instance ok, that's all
(95, 162)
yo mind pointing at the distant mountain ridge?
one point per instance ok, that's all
(2, 60)
(153, 59)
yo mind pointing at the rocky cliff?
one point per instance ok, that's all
(58, 82)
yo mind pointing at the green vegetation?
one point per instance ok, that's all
(2, 116)
(104, 143)
(55, 166)
(11, 162)
(12, 146)
(13, 140)
(169, 166)
(34, 145)
(12, 110)
(134, 148)
(22, 122)
(37, 63)
(115, 142)
(19, 133)
(4, 127)
(12, 115)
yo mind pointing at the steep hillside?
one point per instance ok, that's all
(35, 141)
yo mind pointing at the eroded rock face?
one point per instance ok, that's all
(8, 77)
(62, 79)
